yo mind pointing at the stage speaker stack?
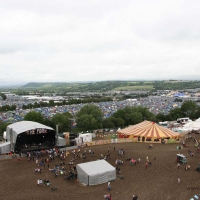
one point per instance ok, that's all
(72, 139)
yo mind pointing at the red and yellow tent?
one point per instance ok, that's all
(147, 129)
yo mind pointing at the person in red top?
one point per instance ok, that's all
(146, 165)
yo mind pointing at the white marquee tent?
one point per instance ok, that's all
(197, 120)
(95, 172)
(193, 125)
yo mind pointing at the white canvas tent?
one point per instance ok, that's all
(192, 125)
(197, 120)
(95, 172)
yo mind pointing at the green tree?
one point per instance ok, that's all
(107, 123)
(136, 117)
(174, 114)
(51, 103)
(161, 117)
(118, 122)
(197, 113)
(63, 120)
(48, 122)
(3, 126)
(89, 117)
(3, 96)
(189, 108)
(34, 116)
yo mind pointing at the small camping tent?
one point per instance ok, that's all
(95, 172)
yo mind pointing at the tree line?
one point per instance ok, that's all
(6, 108)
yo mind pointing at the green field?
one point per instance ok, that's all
(137, 87)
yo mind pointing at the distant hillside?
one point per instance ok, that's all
(176, 85)
(49, 84)
(103, 86)
(116, 85)
(75, 87)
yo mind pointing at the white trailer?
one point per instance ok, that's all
(85, 137)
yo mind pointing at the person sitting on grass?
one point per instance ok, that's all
(107, 196)
(40, 181)
(135, 197)
(187, 167)
(150, 146)
(128, 158)
(62, 163)
(46, 182)
(149, 163)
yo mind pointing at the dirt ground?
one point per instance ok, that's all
(159, 181)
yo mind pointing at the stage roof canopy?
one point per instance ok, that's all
(20, 127)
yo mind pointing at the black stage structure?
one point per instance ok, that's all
(30, 136)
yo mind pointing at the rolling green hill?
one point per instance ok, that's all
(103, 86)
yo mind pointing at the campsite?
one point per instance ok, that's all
(158, 181)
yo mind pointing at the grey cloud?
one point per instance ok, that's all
(99, 40)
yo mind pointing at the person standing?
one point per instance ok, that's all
(109, 186)
(179, 180)
(178, 165)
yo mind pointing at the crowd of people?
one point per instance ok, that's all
(66, 160)
(43, 159)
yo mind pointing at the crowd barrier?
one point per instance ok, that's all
(128, 140)
(5, 157)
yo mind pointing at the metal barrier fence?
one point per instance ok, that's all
(5, 157)
(128, 140)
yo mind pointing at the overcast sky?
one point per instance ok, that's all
(96, 40)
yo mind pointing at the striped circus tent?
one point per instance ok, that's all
(147, 129)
